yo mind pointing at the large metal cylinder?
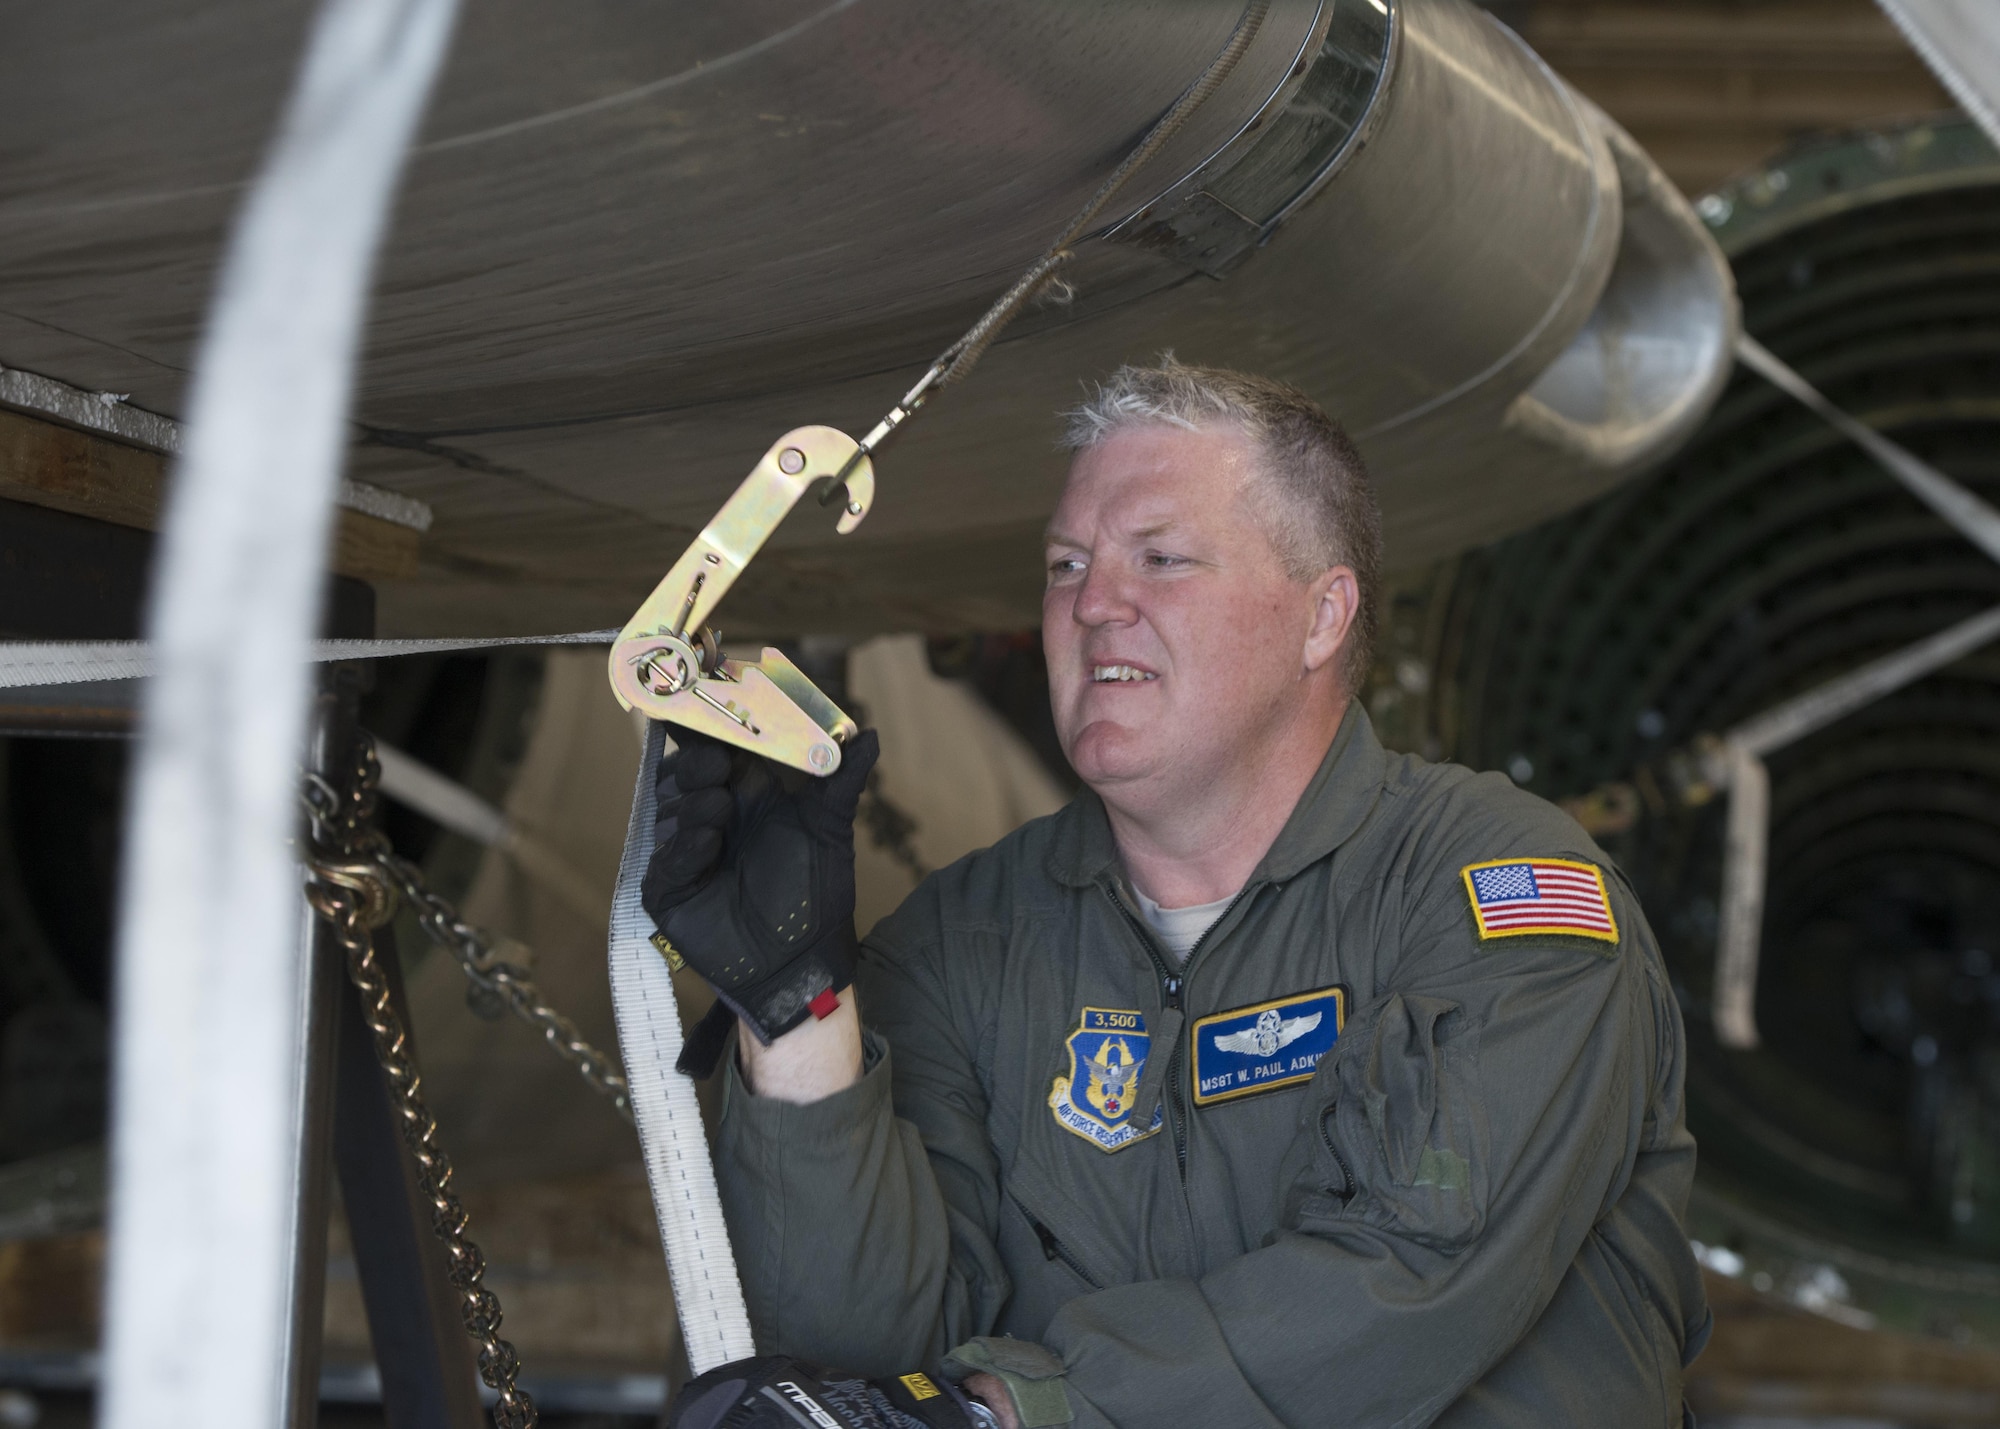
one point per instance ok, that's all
(632, 250)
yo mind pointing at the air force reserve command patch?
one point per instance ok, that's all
(1107, 1052)
(1266, 1045)
(1512, 897)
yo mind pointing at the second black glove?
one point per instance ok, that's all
(778, 1392)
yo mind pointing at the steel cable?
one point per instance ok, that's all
(959, 358)
(957, 361)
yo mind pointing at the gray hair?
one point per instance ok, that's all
(1314, 499)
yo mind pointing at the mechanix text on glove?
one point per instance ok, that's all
(778, 1392)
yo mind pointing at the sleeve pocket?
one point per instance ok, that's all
(1406, 1129)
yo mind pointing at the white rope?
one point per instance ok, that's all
(1739, 934)
(1817, 708)
(1738, 944)
(437, 796)
(206, 1122)
(25, 663)
(1739, 937)
(1978, 522)
(715, 1326)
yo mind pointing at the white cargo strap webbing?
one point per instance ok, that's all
(715, 1326)
(199, 1285)
(27, 664)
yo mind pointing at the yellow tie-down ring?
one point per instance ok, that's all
(768, 706)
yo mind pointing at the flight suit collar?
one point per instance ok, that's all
(1340, 797)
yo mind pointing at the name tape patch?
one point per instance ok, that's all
(1107, 1053)
(1512, 897)
(1265, 1046)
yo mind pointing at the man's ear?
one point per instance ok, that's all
(1336, 601)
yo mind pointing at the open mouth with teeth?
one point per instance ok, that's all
(1120, 674)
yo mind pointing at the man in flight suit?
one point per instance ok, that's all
(1277, 1080)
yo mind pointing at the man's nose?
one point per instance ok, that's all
(1105, 598)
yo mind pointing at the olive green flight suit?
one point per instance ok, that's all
(1470, 1214)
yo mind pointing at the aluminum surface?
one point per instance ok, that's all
(638, 241)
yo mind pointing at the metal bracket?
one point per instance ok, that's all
(668, 665)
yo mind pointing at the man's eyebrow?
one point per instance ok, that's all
(1053, 537)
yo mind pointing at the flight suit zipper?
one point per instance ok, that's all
(1326, 1138)
(1172, 986)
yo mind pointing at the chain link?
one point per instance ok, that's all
(342, 908)
(506, 982)
(497, 982)
(349, 891)
(889, 827)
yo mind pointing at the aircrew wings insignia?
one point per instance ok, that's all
(1264, 1046)
(1267, 1034)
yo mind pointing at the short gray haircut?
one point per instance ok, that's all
(1317, 506)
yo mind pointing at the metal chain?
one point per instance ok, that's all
(890, 827)
(505, 985)
(347, 890)
(508, 983)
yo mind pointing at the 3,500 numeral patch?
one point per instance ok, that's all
(1107, 1052)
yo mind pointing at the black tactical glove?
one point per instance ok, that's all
(777, 1392)
(752, 883)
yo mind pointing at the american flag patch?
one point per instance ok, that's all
(1514, 896)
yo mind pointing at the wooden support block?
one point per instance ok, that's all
(79, 472)
(369, 548)
(50, 1297)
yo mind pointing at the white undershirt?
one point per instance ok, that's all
(1179, 929)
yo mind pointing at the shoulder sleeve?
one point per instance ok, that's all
(864, 1224)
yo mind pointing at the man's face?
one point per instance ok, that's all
(1177, 644)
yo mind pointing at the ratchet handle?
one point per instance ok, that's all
(665, 663)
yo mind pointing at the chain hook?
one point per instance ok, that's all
(358, 876)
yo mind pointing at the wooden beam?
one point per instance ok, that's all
(1767, 1358)
(50, 465)
(1712, 88)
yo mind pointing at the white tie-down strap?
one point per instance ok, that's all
(715, 1326)
(25, 664)
(204, 1273)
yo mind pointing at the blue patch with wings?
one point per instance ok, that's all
(1266, 1045)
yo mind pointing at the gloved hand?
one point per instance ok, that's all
(778, 1392)
(752, 877)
